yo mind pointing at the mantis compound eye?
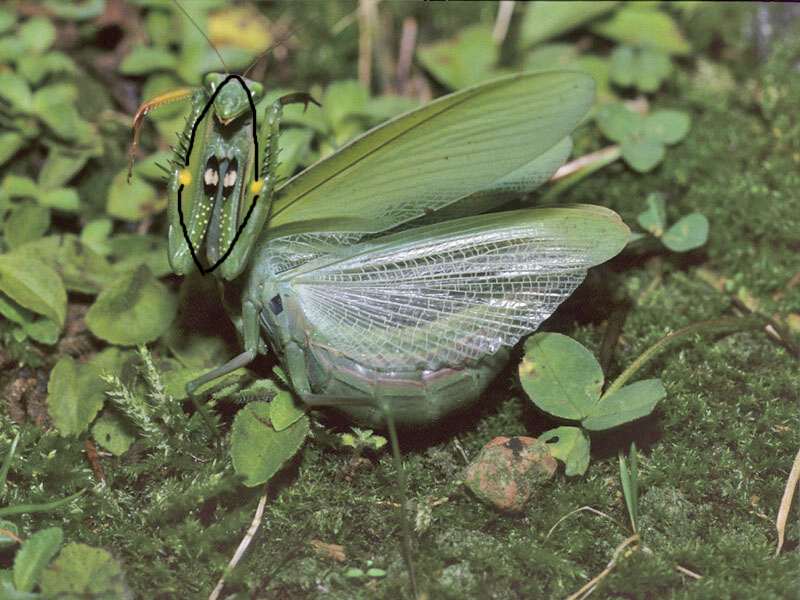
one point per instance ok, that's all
(276, 305)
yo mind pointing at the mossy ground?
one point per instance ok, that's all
(714, 457)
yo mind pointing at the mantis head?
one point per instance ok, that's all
(216, 181)
(231, 100)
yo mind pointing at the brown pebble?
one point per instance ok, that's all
(507, 471)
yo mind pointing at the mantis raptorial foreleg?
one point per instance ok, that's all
(138, 120)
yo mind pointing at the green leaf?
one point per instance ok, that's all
(7, 20)
(381, 108)
(149, 169)
(80, 267)
(37, 34)
(81, 571)
(571, 446)
(55, 106)
(145, 59)
(10, 143)
(467, 59)
(688, 233)
(65, 199)
(33, 284)
(344, 100)
(295, 148)
(544, 20)
(257, 450)
(653, 66)
(34, 556)
(62, 163)
(19, 186)
(632, 402)
(642, 153)
(194, 337)
(623, 66)
(283, 411)
(113, 433)
(645, 68)
(667, 126)
(75, 394)
(131, 250)
(643, 27)
(654, 219)
(16, 91)
(551, 56)
(374, 572)
(95, 235)
(629, 477)
(6, 540)
(75, 11)
(561, 376)
(43, 331)
(617, 122)
(35, 67)
(134, 309)
(26, 223)
(134, 201)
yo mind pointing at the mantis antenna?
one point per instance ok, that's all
(210, 43)
(271, 47)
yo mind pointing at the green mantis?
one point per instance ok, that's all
(376, 276)
(363, 274)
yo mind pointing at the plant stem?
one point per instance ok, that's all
(576, 170)
(251, 532)
(731, 324)
(20, 509)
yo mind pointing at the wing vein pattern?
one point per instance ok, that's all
(444, 300)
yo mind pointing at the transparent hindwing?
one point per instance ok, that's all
(447, 294)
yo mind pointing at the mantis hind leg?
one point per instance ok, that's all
(319, 400)
(237, 362)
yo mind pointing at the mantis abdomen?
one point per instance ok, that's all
(418, 397)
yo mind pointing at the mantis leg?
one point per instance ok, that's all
(320, 400)
(297, 98)
(242, 360)
(250, 330)
(144, 109)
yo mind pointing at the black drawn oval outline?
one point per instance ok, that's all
(256, 174)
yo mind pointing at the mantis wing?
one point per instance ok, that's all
(435, 155)
(448, 294)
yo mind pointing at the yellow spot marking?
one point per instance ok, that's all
(256, 186)
(184, 177)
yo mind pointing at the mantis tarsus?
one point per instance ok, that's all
(372, 275)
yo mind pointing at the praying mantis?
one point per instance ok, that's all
(369, 275)
(378, 277)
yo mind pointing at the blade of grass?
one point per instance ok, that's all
(20, 509)
(7, 464)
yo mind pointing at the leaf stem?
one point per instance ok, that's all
(731, 324)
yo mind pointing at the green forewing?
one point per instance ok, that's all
(429, 158)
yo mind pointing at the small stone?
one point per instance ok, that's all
(507, 471)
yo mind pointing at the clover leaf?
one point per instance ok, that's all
(642, 137)
(688, 233)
